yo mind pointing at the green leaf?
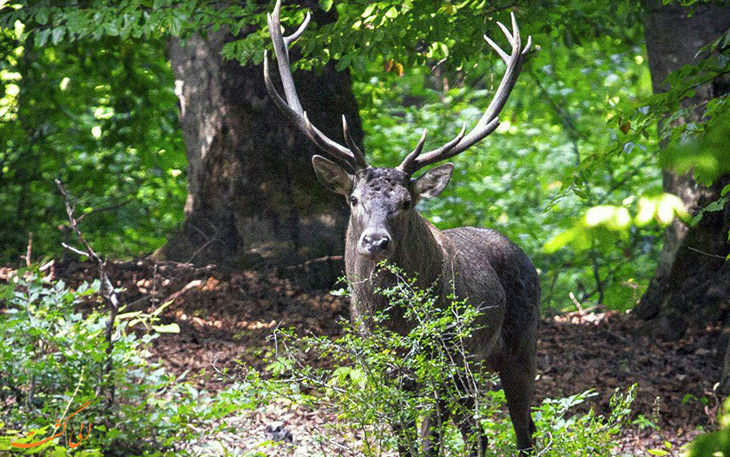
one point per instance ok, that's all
(326, 5)
(41, 16)
(41, 38)
(57, 35)
(369, 10)
(161, 308)
(167, 328)
(717, 205)
(725, 190)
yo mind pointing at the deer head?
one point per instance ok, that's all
(382, 200)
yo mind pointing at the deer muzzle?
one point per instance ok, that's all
(374, 244)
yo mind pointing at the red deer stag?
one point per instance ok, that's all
(479, 265)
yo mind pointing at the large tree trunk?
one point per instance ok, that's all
(253, 198)
(691, 285)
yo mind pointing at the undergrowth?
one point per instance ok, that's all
(53, 361)
(381, 381)
(54, 358)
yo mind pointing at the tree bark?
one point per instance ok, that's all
(253, 198)
(691, 286)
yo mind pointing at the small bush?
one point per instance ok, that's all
(53, 359)
(382, 381)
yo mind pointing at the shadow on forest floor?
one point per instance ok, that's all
(225, 319)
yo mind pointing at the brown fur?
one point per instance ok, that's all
(481, 265)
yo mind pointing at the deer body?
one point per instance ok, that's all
(467, 261)
(476, 264)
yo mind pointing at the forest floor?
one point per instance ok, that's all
(227, 317)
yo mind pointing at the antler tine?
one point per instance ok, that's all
(444, 152)
(496, 47)
(300, 31)
(282, 58)
(312, 131)
(359, 156)
(408, 161)
(291, 106)
(489, 120)
(509, 36)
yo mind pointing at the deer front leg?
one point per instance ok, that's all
(432, 429)
(404, 432)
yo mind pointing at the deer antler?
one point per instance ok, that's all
(489, 120)
(292, 107)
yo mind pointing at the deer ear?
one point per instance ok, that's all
(332, 176)
(432, 182)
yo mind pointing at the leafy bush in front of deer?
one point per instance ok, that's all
(381, 381)
(52, 361)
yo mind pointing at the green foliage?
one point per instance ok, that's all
(705, 152)
(411, 32)
(384, 380)
(572, 175)
(54, 363)
(717, 443)
(101, 117)
(565, 433)
(555, 124)
(579, 131)
(694, 135)
(54, 360)
(607, 224)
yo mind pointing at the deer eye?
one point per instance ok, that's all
(353, 201)
(407, 204)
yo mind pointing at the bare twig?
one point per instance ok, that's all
(75, 250)
(107, 289)
(714, 256)
(153, 297)
(191, 285)
(104, 208)
(327, 258)
(208, 240)
(29, 251)
(547, 446)
(218, 370)
(70, 400)
(577, 303)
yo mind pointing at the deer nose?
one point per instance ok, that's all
(375, 243)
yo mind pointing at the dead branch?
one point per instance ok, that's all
(107, 290)
(190, 285)
(327, 258)
(29, 250)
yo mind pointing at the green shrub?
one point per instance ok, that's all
(382, 380)
(54, 356)
(53, 360)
